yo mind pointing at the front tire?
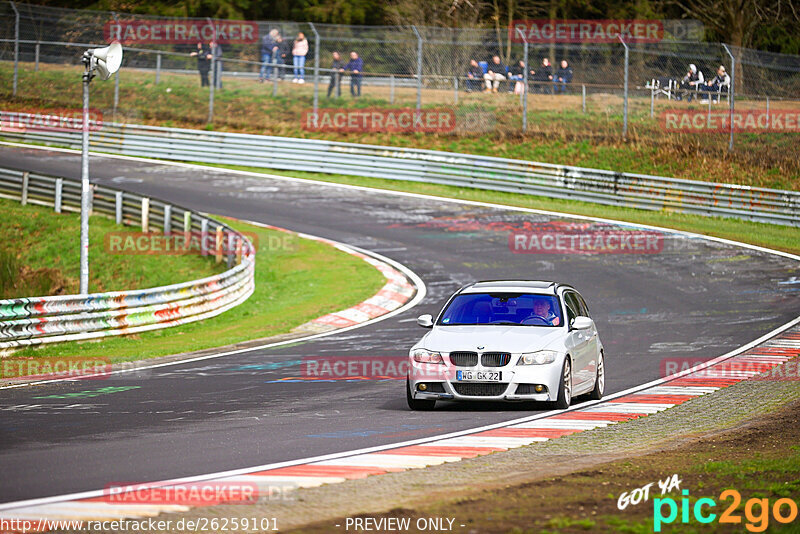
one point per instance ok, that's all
(600, 380)
(423, 405)
(565, 386)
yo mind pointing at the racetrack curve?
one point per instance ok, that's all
(695, 298)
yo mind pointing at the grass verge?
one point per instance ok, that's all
(297, 280)
(486, 124)
(785, 238)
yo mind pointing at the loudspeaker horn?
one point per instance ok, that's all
(107, 60)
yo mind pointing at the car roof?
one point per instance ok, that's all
(514, 286)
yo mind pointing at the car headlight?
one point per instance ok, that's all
(426, 356)
(538, 358)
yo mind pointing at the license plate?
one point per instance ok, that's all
(479, 376)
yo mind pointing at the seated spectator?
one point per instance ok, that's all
(691, 83)
(355, 67)
(543, 76)
(562, 78)
(474, 75)
(495, 74)
(516, 75)
(718, 84)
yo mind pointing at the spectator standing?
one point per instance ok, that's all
(720, 83)
(356, 68)
(474, 75)
(299, 52)
(269, 50)
(282, 54)
(562, 78)
(337, 68)
(543, 76)
(691, 82)
(495, 74)
(216, 53)
(203, 55)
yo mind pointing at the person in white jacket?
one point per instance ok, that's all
(299, 52)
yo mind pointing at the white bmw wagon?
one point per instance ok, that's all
(507, 340)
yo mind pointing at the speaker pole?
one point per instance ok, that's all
(85, 188)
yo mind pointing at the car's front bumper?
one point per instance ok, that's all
(517, 383)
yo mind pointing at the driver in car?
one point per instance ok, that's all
(542, 312)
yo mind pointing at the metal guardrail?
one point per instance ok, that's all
(429, 166)
(38, 320)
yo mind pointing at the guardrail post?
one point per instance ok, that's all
(187, 229)
(218, 244)
(118, 207)
(16, 47)
(58, 195)
(36, 58)
(391, 88)
(167, 219)
(316, 67)
(24, 193)
(230, 249)
(419, 67)
(625, 92)
(158, 68)
(203, 237)
(145, 214)
(583, 97)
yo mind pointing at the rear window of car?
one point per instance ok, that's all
(517, 309)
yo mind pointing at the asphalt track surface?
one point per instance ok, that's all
(693, 298)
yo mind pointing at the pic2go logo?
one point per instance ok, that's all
(756, 511)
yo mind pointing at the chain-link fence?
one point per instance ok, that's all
(266, 76)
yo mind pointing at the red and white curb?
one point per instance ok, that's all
(755, 359)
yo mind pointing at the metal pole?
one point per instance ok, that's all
(652, 96)
(730, 93)
(583, 97)
(275, 80)
(85, 189)
(116, 93)
(625, 104)
(316, 67)
(158, 68)
(16, 48)
(767, 109)
(525, 81)
(419, 67)
(36, 58)
(455, 89)
(391, 88)
(213, 83)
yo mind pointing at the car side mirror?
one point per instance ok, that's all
(425, 321)
(581, 322)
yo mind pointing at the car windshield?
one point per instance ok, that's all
(517, 309)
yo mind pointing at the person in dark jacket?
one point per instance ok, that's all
(495, 74)
(355, 67)
(543, 76)
(562, 78)
(269, 49)
(284, 55)
(203, 56)
(337, 69)
(474, 75)
(516, 75)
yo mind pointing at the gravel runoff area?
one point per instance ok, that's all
(319, 509)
